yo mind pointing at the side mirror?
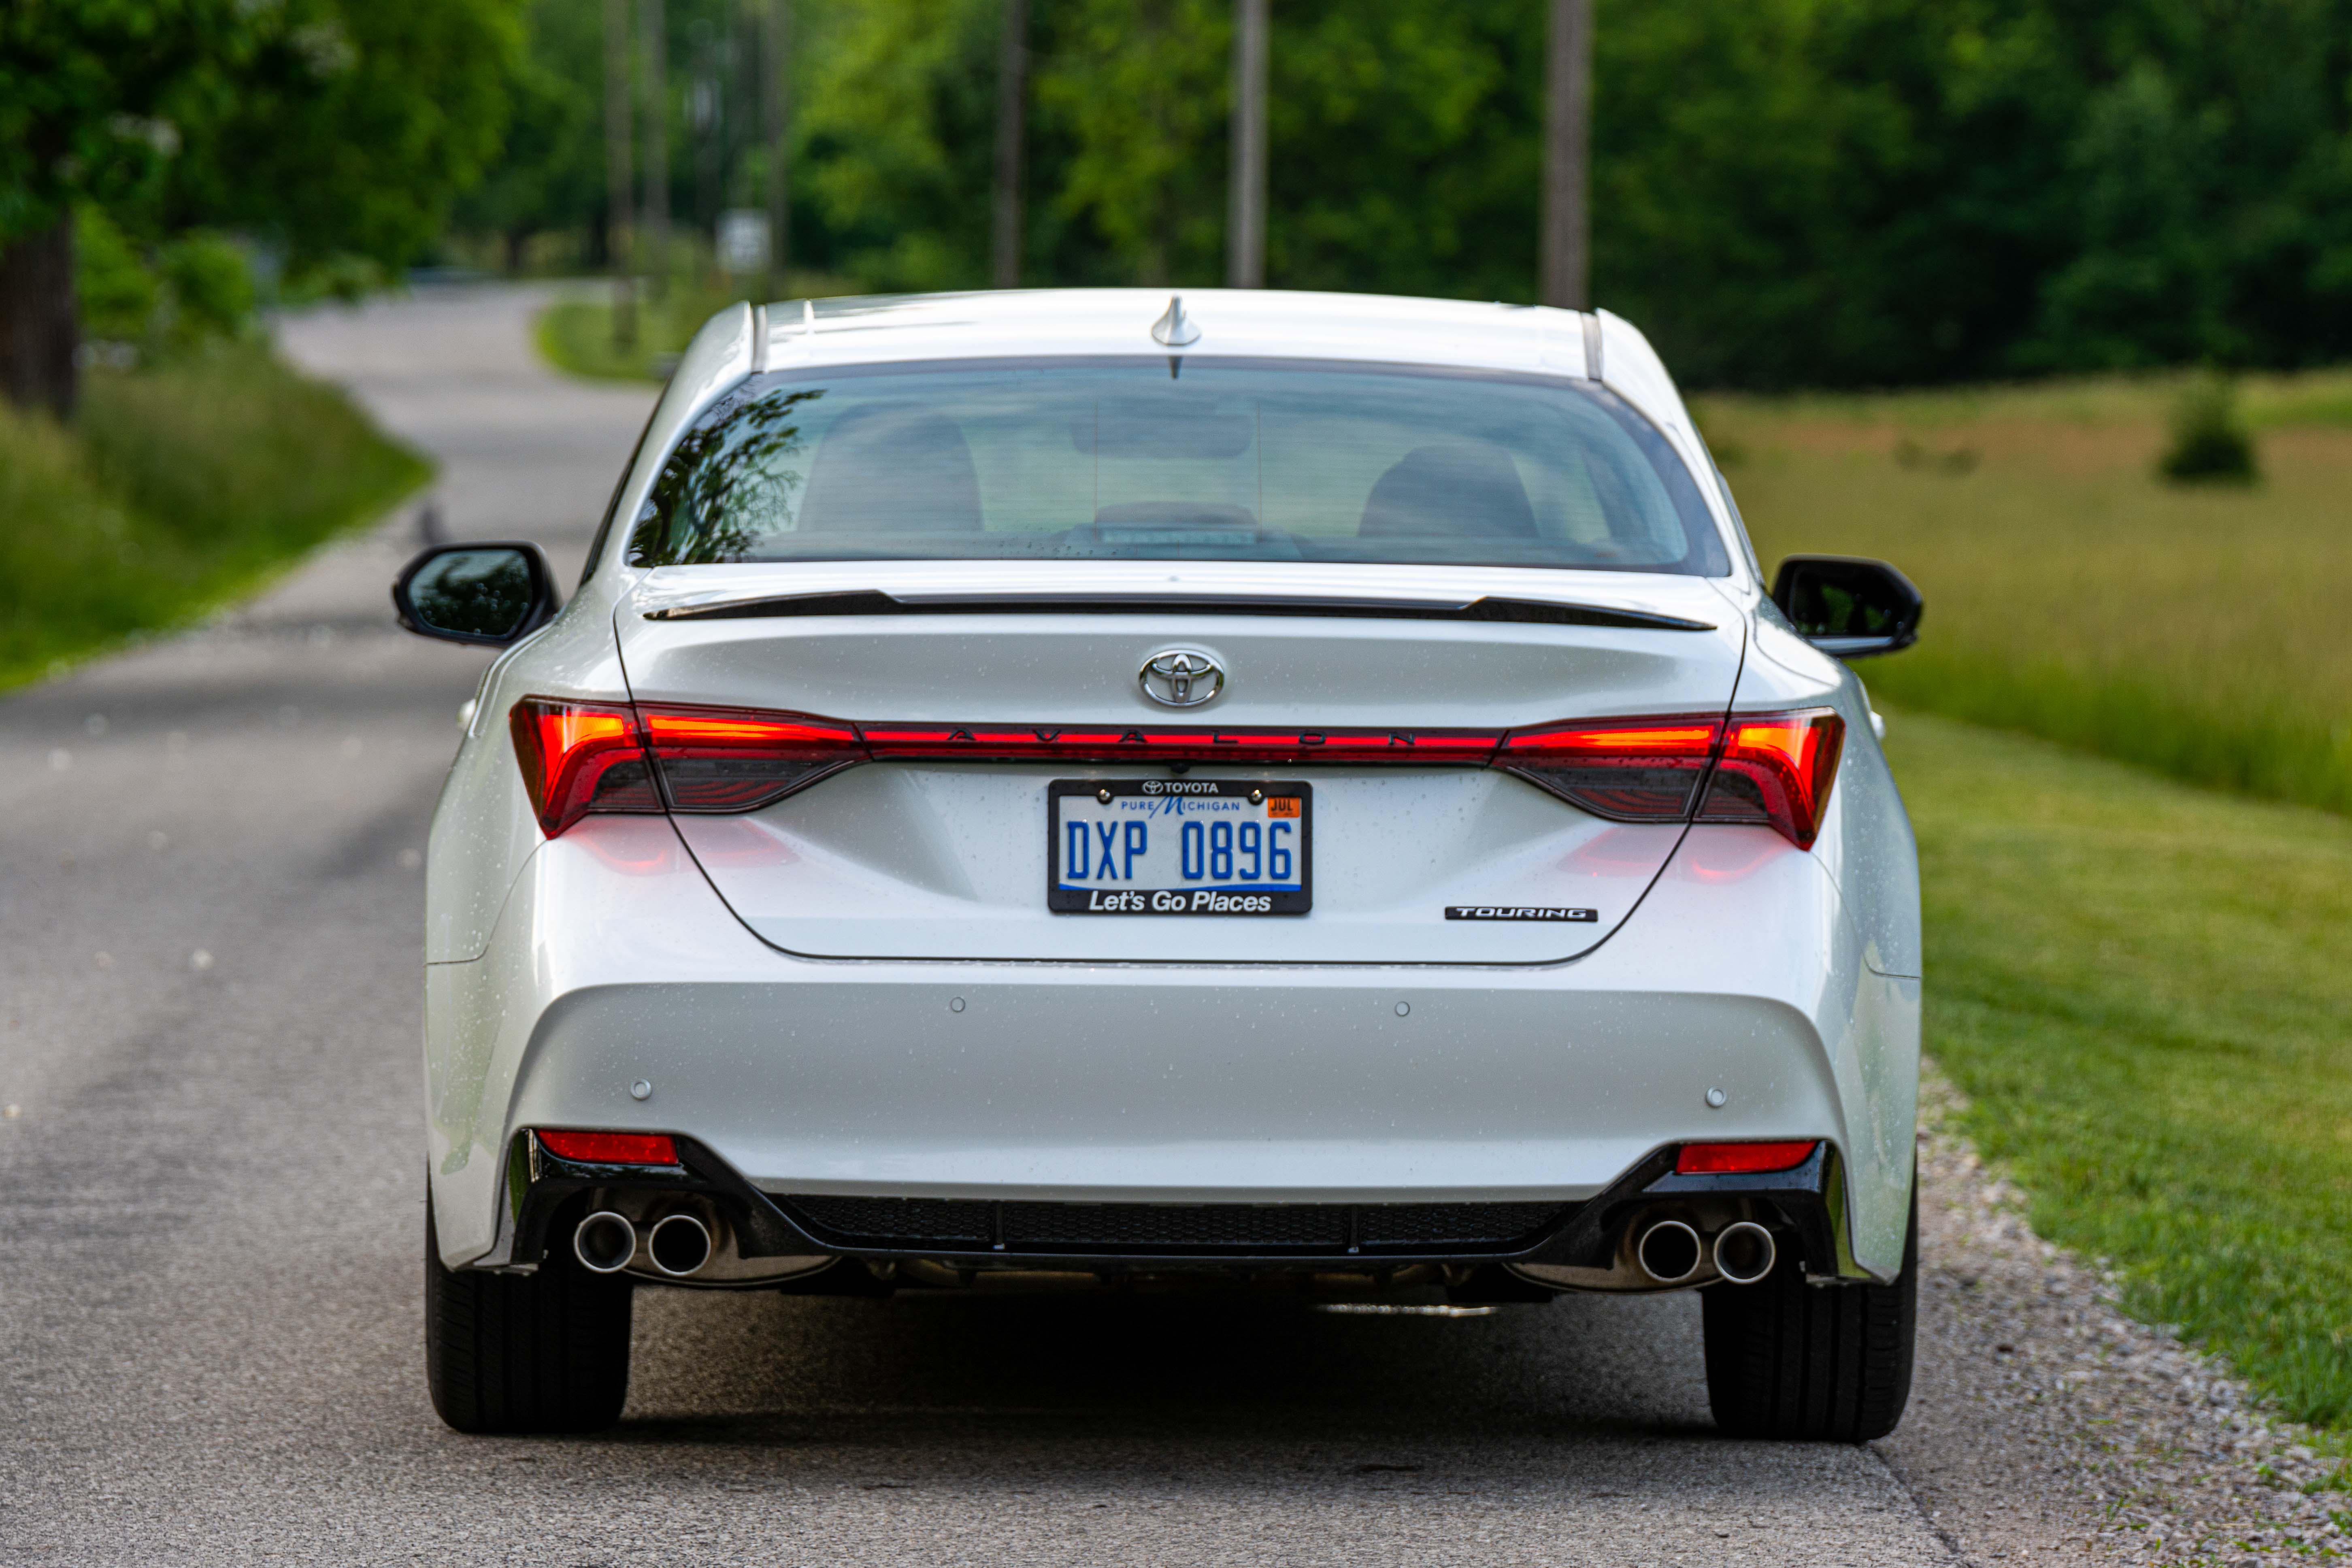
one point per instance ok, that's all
(1847, 605)
(490, 595)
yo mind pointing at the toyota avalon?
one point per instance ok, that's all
(1090, 788)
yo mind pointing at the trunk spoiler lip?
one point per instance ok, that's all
(1490, 608)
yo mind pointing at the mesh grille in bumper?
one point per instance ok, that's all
(945, 1225)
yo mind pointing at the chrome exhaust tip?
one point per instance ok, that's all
(604, 1242)
(679, 1244)
(1669, 1252)
(1744, 1252)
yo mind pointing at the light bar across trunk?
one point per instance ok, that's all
(1767, 769)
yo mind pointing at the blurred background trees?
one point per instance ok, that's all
(1784, 192)
(194, 145)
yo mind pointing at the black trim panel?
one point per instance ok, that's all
(873, 602)
(1337, 1237)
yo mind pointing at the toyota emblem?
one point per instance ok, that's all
(1182, 678)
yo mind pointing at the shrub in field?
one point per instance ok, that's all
(2210, 443)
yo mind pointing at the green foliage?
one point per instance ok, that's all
(2142, 987)
(97, 97)
(115, 289)
(326, 126)
(196, 288)
(1787, 191)
(178, 489)
(2210, 443)
(354, 127)
(549, 173)
(1140, 93)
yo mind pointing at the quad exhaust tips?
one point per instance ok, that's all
(604, 1242)
(1672, 1253)
(1744, 1252)
(679, 1244)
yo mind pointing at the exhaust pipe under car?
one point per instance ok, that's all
(1744, 1252)
(1669, 1252)
(679, 1244)
(604, 1242)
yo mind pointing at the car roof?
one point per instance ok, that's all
(1209, 321)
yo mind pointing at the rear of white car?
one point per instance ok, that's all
(1073, 784)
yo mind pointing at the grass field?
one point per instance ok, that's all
(177, 490)
(2145, 988)
(2070, 594)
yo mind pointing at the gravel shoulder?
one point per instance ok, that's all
(2048, 1426)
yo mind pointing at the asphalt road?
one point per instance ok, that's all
(211, 1217)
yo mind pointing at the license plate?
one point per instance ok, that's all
(1178, 847)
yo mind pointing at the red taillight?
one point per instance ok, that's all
(737, 759)
(1776, 771)
(1074, 744)
(579, 757)
(1644, 771)
(1741, 1159)
(1771, 770)
(611, 1148)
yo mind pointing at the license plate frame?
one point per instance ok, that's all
(1208, 899)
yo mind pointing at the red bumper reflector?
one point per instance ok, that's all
(1741, 1159)
(611, 1148)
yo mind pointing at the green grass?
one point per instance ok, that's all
(2145, 989)
(2070, 593)
(576, 335)
(177, 490)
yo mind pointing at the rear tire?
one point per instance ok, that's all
(525, 1352)
(1824, 1362)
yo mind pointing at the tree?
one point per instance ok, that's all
(1568, 156)
(96, 97)
(327, 127)
(1245, 229)
(1011, 135)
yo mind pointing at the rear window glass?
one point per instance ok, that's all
(1148, 461)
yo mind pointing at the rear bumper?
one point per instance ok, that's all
(614, 965)
(547, 1196)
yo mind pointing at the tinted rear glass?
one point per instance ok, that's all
(1227, 462)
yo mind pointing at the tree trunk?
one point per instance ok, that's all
(1567, 156)
(778, 102)
(37, 331)
(620, 178)
(1246, 235)
(1012, 129)
(656, 63)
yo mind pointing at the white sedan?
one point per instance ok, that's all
(1078, 786)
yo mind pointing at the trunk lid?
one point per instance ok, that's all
(940, 858)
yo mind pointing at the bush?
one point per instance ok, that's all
(179, 487)
(115, 293)
(193, 288)
(2210, 443)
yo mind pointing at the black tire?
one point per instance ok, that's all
(1823, 1362)
(525, 1352)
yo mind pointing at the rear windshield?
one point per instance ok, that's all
(1150, 460)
